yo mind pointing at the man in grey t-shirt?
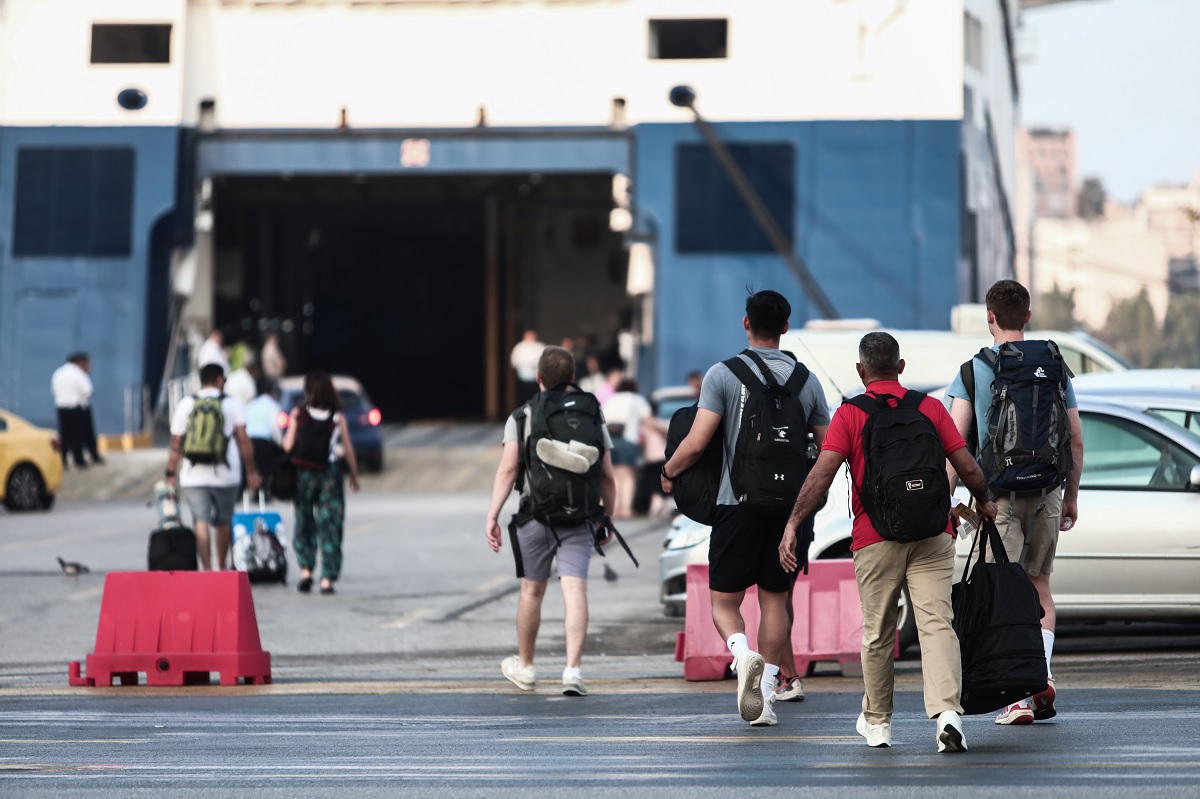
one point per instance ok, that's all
(744, 547)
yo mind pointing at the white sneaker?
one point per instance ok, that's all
(573, 686)
(950, 732)
(876, 734)
(749, 668)
(768, 717)
(523, 677)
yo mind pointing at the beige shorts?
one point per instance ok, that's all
(1030, 525)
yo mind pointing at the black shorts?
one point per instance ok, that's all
(744, 551)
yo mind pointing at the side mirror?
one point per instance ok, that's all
(1194, 478)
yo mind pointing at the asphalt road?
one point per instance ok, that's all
(1105, 743)
(391, 687)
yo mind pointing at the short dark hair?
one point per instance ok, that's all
(879, 353)
(210, 373)
(319, 392)
(557, 365)
(768, 312)
(1009, 301)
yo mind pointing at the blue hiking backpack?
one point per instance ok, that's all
(1027, 448)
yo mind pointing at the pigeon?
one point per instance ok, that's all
(72, 569)
(610, 574)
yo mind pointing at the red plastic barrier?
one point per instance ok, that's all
(828, 625)
(177, 628)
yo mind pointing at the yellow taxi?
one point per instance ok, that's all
(31, 470)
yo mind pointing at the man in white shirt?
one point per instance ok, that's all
(213, 351)
(210, 488)
(524, 360)
(72, 389)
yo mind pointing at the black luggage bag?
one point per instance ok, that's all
(997, 616)
(172, 546)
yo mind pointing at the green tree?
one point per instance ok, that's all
(1054, 310)
(1181, 332)
(1132, 331)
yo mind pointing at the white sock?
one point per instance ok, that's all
(738, 644)
(1048, 645)
(770, 672)
(572, 673)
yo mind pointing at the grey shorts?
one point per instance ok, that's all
(573, 550)
(212, 504)
(1029, 525)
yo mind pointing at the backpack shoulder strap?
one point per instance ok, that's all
(866, 403)
(768, 376)
(799, 378)
(1067, 373)
(912, 399)
(742, 371)
(520, 417)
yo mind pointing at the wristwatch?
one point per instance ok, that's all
(663, 471)
(168, 472)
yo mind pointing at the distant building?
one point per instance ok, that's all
(1153, 245)
(1051, 156)
(400, 188)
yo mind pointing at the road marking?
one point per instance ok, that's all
(502, 581)
(421, 614)
(90, 593)
(68, 741)
(681, 739)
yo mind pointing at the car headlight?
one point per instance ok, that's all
(690, 538)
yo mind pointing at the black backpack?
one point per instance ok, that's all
(770, 457)
(1027, 448)
(904, 488)
(310, 448)
(561, 455)
(695, 490)
(997, 616)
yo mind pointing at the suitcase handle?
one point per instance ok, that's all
(262, 502)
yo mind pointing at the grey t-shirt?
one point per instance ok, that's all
(723, 394)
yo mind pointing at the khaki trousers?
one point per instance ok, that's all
(928, 568)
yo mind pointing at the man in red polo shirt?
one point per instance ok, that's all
(882, 567)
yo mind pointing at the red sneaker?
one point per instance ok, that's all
(1016, 713)
(1043, 703)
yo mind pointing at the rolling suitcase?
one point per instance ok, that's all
(258, 543)
(172, 546)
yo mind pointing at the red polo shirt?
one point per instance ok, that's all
(845, 438)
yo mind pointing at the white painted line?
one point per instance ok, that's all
(420, 614)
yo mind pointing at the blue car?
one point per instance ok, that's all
(362, 417)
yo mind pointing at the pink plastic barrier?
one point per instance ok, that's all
(176, 627)
(828, 624)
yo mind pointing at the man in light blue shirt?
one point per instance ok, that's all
(262, 426)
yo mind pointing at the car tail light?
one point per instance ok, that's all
(374, 416)
(282, 420)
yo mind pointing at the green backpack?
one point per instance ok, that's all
(205, 441)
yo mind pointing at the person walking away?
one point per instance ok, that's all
(536, 542)
(901, 535)
(213, 351)
(202, 430)
(87, 418)
(624, 413)
(1029, 521)
(524, 360)
(72, 389)
(316, 430)
(264, 430)
(274, 365)
(767, 403)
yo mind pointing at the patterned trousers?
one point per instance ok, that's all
(320, 511)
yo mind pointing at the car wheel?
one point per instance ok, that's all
(375, 464)
(26, 490)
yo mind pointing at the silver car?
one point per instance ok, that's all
(1135, 552)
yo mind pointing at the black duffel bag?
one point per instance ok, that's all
(997, 616)
(695, 489)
